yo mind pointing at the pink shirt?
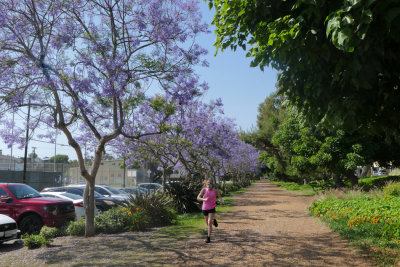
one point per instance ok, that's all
(211, 194)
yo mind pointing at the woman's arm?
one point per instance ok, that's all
(200, 196)
(221, 201)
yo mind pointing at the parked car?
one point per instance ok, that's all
(76, 199)
(102, 203)
(133, 191)
(109, 191)
(380, 173)
(30, 210)
(150, 187)
(8, 228)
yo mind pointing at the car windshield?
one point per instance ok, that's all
(71, 196)
(21, 191)
(79, 192)
(150, 186)
(113, 190)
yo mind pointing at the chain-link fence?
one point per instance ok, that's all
(38, 175)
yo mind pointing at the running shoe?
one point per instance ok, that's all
(215, 223)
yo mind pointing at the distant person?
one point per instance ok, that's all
(209, 197)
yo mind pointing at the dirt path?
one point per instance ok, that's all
(268, 227)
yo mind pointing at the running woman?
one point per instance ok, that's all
(209, 197)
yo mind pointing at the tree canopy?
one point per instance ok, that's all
(339, 61)
(85, 68)
(60, 159)
(297, 150)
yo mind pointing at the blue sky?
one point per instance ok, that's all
(230, 78)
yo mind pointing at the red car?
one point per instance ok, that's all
(30, 210)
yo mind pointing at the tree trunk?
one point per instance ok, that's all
(89, 203)
(352, 178)
(365, 170)
(338, 181)
(164, 177)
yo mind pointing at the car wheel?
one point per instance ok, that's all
(31, 224)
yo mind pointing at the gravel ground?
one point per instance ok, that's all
(268, 227)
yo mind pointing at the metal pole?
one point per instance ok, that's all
(55, 152)
(34, 154)
(12, 133)
(124, 171)
(26, 141)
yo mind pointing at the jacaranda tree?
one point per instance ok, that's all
(84, 67)
(199, 142)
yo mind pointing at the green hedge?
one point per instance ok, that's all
(377, 182)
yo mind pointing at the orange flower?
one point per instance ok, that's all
(137, 209)
(123, 209)
(129, 212)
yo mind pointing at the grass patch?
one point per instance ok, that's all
(192, 224)
(302, 189)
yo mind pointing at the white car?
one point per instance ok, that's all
(77, 200)
(8, 228)
(109, 191)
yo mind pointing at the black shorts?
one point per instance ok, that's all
(206, 212)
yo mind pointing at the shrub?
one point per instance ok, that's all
(141, 212)
(184, 195)
(77, 228)
(230, 187)
(112, 221)
(322, 185)
(49, 232)
(156, 209)
(379, 182)
(35, 241)
(392, 189)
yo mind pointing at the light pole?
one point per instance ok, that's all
(34, 154)
(55, 151)
(148, 174)
(26, 141)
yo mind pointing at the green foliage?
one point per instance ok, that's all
(384, 252)
(184, 195)
(371, 220)
(376, 182)
(161, 104)
(157, 207)
(229, 188)
(140, 213)
(115, 220)
(303, 189)
(112, 221)
(76, 228)
(60, 159)
(361, 210)
(322, 185)
(392, 189)
(35, 241)
(49, 232)
(44, 238)
(329, 54)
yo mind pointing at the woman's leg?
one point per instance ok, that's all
(206, 218)
(210, 223)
